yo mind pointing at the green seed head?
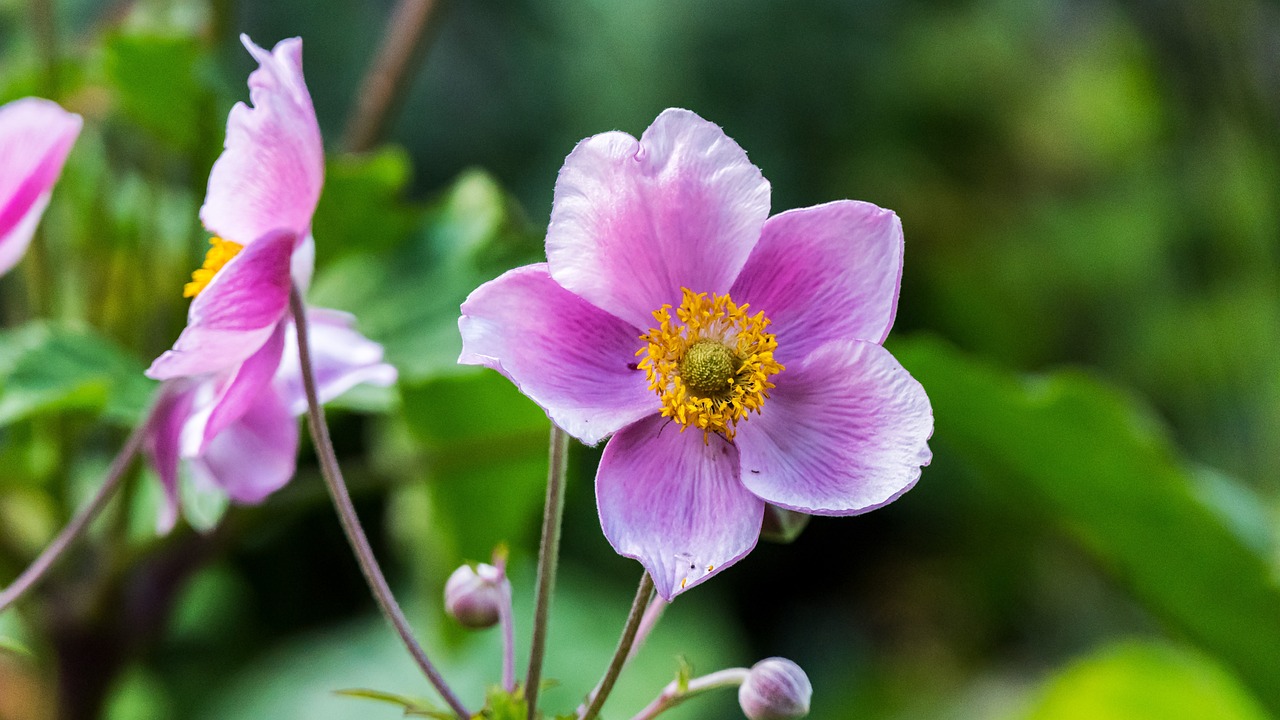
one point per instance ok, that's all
(708, 367)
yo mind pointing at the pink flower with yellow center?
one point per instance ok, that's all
(35, 138)
(733, 359)
(235, 382)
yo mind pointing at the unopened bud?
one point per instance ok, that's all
(775, 689)
(475, 596)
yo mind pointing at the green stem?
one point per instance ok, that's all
(548, 558)
(672, 695)
(643, 594)
(54, 552)
(350, 521)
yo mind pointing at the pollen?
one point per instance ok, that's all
(710, 364)
(219, 254)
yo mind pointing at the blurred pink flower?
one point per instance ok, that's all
(236, 382)
(792, 402)
(35, 137)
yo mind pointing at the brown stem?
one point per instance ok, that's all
(389, 74)
(350, 521)
(643, 594)
(548, 558)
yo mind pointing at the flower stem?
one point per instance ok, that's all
(350, 521)
(115, 474)
(643, 595)
(389, 75)
(652, 615)
(548, 558)
(672, 695)
(507, 617)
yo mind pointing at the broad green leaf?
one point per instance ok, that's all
(1145, 681)
(407, 297)
(1092, 459)
(155, 80)
(45, 368)
(363, 208)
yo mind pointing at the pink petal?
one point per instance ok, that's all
(270, 175)
(824, 273)
(675, 503)
(243, 388)
(341, 358)
(844, 432)
(235, 314)
(162, 445)
(254, 456)
(632, 221)
(35, 137)
(573, 359)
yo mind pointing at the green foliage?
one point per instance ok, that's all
(154, 78)
(413, 707)
(1145, 681)
(1092, 460)
(49, 368)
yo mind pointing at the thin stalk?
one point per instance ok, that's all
(672, 695)
(350, 521)
(548, 559)
(389, 75)
(643, 595)
(652, 615)
(115, 474)
(507, 618)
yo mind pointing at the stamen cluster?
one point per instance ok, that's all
(219, 254)
(711, 364)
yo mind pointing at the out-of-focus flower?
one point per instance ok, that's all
(474, 596)
(670, 301)
(775, 689)
(235, 379)
(35, 137)
(255, 454)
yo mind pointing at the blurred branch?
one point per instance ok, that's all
(384, 83)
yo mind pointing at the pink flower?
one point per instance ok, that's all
(734, 358)
(253, 455)
(35, 137)
(236, 384)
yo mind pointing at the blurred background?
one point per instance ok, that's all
(1091, 299)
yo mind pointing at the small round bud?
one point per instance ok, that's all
(475, 596)
(775, 689)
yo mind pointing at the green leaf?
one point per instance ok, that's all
(156, 82)
(46, 368)
(407, 297)
(363, 208)
(413, 707)
(1093, 459)
(502, 705)
(1145, 681)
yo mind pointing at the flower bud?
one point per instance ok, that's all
(475, 596)
(775, 689)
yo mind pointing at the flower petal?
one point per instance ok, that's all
(341, 358)
(35, 138)
(844, 432)
(235, 314)
(241, 390)
(571, 358)
(162, 445)
(825, 273)
(675, 503)
(271, 172)
(633, 221)
(254, 456)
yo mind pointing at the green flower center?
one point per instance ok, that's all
(709, 368)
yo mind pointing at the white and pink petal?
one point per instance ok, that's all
(341, 358)
(36, 136)
(573, 359)
(634, 221)
(675, 503)
(255, 456)
(825, 273)
(271, 172)
(845, 431)
(235, 314)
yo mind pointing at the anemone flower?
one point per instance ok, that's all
(35, 137)
(229, 367)
(735, 359)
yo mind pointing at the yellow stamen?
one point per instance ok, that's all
(711, 365)
(220, 254)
